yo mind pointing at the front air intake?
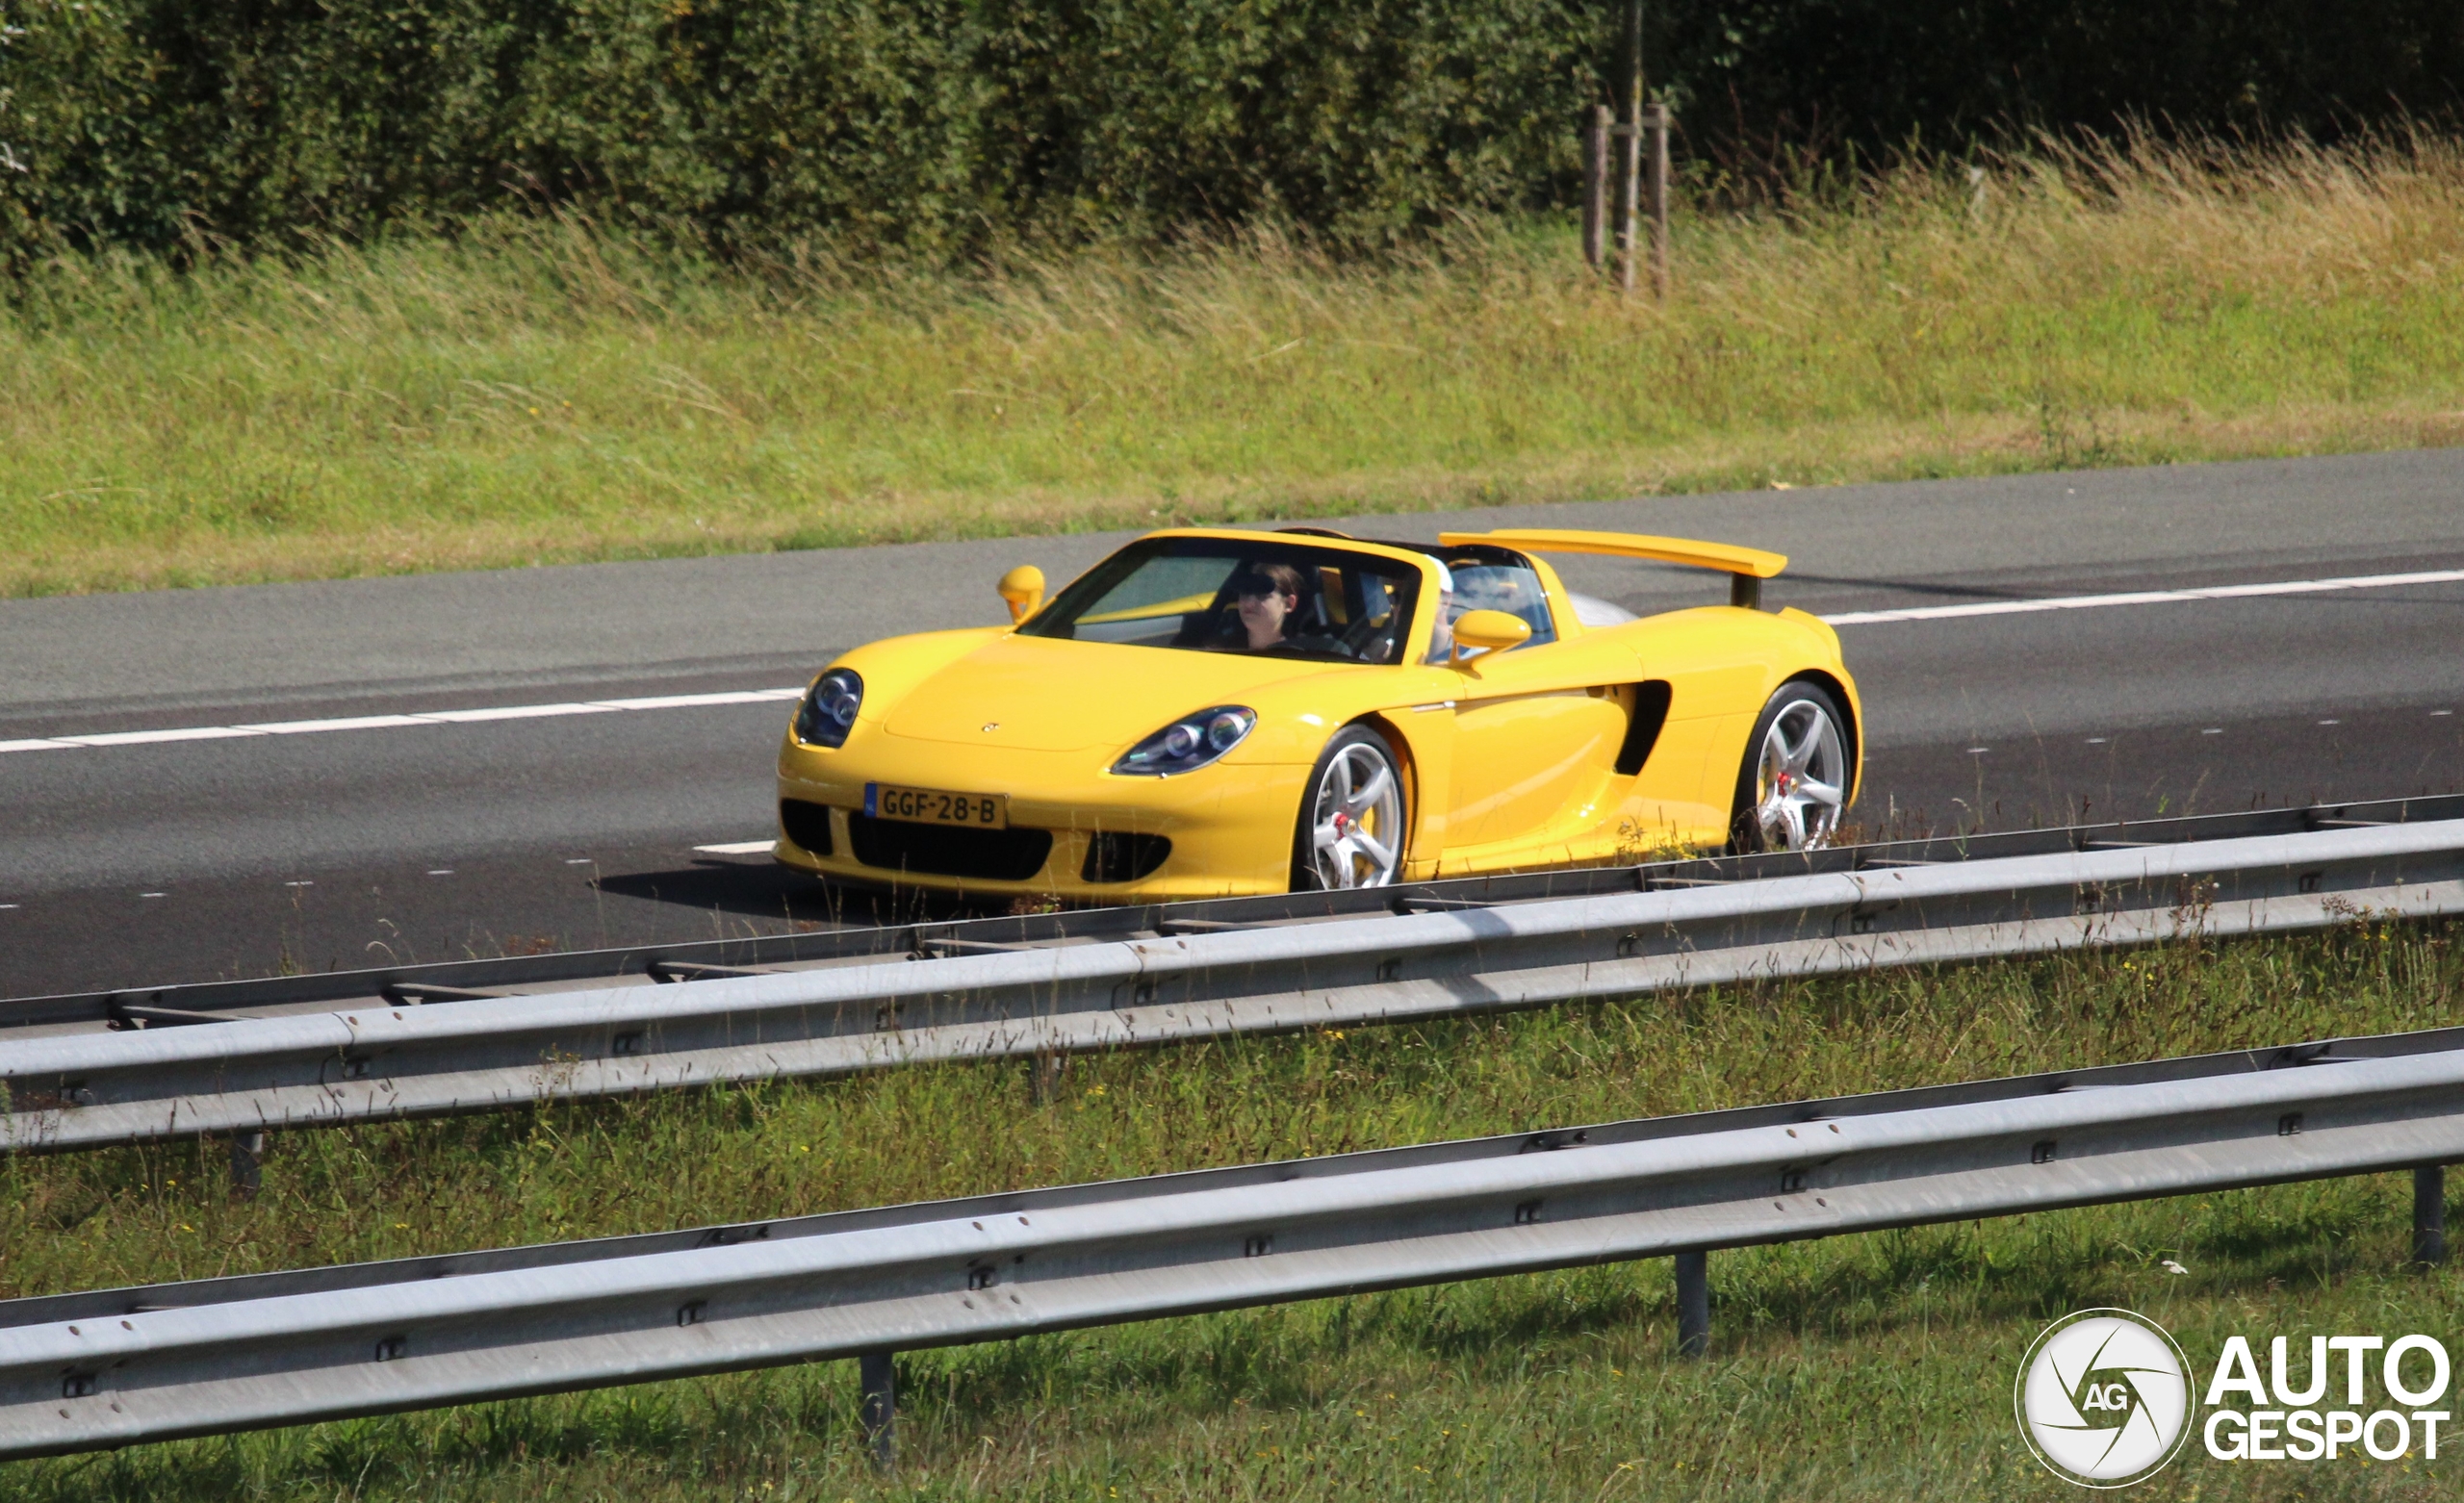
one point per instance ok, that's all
(1118, 856)
(807, 825)
(1002, 856)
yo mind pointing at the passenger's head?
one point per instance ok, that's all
(1265, 594)
(1450, 609)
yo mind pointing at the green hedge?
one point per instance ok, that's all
(937, 122)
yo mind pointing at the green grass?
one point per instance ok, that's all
(541, 391)
(1869, 1366)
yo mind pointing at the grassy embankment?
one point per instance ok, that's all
(1866, 1367)
(539, 393)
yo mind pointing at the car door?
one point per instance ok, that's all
(1536, 729)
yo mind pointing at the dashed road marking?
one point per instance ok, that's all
(739, 848)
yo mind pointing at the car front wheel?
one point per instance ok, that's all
(1352, 818)
(1793, 786)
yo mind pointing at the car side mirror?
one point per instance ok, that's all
(1494, 630)
(1022, 588)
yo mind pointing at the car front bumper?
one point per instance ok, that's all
(1230, 825)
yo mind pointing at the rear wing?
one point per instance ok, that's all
(1746, 567)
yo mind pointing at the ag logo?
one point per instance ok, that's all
(2104, 1398)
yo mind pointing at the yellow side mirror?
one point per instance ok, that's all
(1023, 588)
(1495, 630)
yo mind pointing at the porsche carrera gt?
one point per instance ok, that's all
(1214, 711)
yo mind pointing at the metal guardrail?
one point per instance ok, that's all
(108, 1369)
(91, 1089)
(202, 1001)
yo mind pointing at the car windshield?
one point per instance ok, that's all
(1241, 594)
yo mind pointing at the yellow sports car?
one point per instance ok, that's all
(1214, 712)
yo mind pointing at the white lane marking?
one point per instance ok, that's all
(309, 727)
(132, 738)
(497, 712)
(739, 848)
(680, 701)
(2081, 602)
(516, 712)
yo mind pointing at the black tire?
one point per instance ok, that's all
(1360, 750)
(1798, 700)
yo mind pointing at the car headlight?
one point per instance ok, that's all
(829, 708)
(1189, 743)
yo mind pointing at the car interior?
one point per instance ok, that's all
(1347, 608)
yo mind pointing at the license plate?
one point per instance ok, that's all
(936, 806)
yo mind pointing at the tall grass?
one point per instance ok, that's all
(1871, 1366)
(539, 389)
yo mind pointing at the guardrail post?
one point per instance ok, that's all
(1045, 1076)
(1693, 1304)
(880, 1409)
(2430, 1216)
(247, 1155)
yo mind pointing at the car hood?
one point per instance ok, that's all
(1044, 694)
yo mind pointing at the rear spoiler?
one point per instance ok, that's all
(1746, 567)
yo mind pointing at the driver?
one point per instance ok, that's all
(1267, 601)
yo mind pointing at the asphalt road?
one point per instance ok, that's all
(179, 860)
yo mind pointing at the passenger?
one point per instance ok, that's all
(1450, 610)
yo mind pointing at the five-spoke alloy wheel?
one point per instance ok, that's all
(1799, 767)
(1351, 821)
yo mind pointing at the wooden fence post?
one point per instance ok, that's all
(1656, 133)
(1628, 87)
(1595, 185)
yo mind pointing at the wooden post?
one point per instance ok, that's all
(1630, 142)
(1595, 185)
(1655, 159)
